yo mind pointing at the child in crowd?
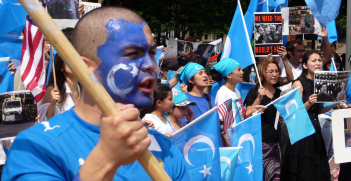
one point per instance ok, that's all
(162, 104)
(180, 111)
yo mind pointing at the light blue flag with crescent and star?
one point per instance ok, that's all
(332, 65)
(6, 79)
(262, 5)
(325, 11)
(199, 145)
(238, 45)
(250, 17)
(296, 118)
(248, 135)
(12, 20)
(228, 158)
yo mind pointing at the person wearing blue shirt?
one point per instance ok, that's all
(81, 143)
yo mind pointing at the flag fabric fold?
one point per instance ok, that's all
(248, 135)
(325, 11)
(33, 60)
(12, 19)
(199, 145)
(262, 5)
(238, 45)
(250, 17)
(228, 159)
(296, 118)
(332, 33)
(6, 79)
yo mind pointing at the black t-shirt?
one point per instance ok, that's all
(269, 134)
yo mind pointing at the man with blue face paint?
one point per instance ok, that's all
(81, 144)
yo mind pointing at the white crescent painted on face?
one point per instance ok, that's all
(292, 101)
(247, 137)
(262, 2)
(111, 78)
(197, 139)
(225, 159)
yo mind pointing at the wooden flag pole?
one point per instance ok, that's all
(85, 76)
(53, 66)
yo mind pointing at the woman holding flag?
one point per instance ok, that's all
(307, 158)
(269, 72)
(230, 71)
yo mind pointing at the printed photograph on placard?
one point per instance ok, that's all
(217, 50)
(268, 34)
(330, 86)
(63, 9)
(18, 112)
(179, 53)
(300, 20)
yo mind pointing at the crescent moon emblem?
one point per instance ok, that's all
(246, 137)
(292, 101)
(225, 159)
(197, 139)
(262, 2)
(111, 78)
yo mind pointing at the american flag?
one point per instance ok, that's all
(226, 113)
(33, 60)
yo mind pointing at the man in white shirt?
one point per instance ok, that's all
(296, 51)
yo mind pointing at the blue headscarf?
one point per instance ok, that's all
(226, 66)
(189, 71)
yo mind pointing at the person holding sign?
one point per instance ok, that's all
(307, 158)
(81, 144)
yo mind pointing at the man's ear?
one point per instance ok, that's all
(91, 63)
(290, 53)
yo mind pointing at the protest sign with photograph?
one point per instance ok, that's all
(342, 149)
(330, 86)
(64, 12)
(217, 50)
(179, 53)
(268, 34)
(18, 112)
(299, 20)
(90, 6)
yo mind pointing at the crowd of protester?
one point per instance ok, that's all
(172, 109)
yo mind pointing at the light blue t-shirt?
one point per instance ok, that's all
(201, 107)
(56, 149)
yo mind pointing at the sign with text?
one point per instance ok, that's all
(268, 34)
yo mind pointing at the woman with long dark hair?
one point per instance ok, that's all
(66, 94)
(307, 158)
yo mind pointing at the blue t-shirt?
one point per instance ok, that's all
(348, 92)
(201, 105)
(56, 149)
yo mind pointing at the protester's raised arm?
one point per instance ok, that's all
(326, 44)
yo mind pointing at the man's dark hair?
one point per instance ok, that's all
(191, 34)
(90, 30)
(290, 47)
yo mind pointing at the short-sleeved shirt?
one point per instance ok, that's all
(201, 106)
(160, 126)
(296, 72)
(56, 149)
(269, 133)
(224, 94)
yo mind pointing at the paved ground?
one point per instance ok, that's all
(12, 129)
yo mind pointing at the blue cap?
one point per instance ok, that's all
(189, 70)
(180, 99)
(226, 66)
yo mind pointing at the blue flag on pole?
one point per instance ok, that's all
(250, 17)
(248, 135)
(294, 113)
(238, 45)
(199, 145)
(6, 79)
(332, 33)
(12, 20)
(228, 158)
(332, 65)
(325, 11)
(11, 48)
(262, 5)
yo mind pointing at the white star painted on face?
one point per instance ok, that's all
(250, 168)
(294, 116)
(206, 171)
